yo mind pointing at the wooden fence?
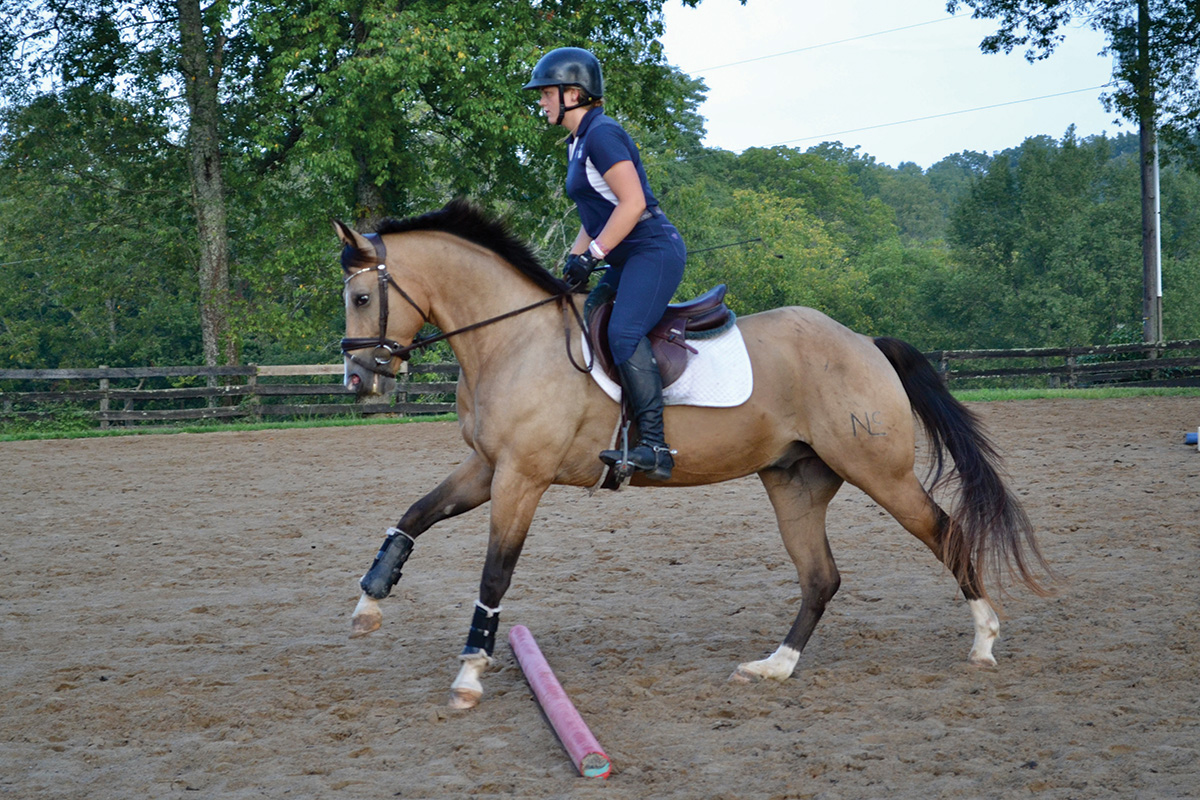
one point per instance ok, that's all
(136, 396)
(1167, 364)
(164, 395)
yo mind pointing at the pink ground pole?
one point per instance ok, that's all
(572, 731)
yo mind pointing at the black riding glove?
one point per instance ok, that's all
(579, 268)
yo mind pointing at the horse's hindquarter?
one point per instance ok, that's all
(815, 382)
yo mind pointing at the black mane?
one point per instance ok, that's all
(464, 220)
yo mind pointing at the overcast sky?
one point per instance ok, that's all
(857, 91)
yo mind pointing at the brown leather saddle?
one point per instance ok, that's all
(704, 317)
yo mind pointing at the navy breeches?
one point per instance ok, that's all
(645, 280)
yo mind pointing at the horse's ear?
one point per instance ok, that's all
(352, 238)
(349, 236)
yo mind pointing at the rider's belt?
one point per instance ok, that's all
(651, 211)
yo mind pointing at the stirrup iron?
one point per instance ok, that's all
(623, 468)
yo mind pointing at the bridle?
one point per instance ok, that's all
(385, 349)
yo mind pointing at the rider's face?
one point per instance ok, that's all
(549, 100)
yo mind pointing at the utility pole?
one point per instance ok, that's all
(1152, 332)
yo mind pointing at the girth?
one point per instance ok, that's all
(703, 317)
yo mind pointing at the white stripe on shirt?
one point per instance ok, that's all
(599, 184)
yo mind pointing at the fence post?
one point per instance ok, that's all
(252, 399)
(104, 400)
(403, 379)
(1072, 377)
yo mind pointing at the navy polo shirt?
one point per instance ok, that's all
(597, 144)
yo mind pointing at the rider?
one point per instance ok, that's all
(621, 224)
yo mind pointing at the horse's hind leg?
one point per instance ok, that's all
(912, 507)
(800, 495)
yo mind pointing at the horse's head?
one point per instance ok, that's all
(375, 327)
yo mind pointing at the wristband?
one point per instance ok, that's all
(596, 250)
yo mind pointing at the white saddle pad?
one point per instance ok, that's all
(718, 376)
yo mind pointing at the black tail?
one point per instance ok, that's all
(988, 533)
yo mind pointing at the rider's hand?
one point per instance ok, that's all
(579, 268)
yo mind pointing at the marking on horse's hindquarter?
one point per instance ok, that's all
(869, 426)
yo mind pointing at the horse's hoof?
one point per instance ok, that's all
(982, 660)
(362, 624)
(462, 699)
(743, 676)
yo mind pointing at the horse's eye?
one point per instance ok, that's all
(361, 300)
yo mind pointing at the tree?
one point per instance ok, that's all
(149, 53)
(1157, 44)
(1042, 241)
(823, 178)
(288, 113)
(924, 200)
(906, 296)
(798, 261)
(202, 38)
(414, 102)
(90, 209)
(1181, 250)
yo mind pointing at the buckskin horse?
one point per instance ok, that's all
(533, 418)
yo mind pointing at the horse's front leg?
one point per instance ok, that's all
(514, 499)
(466, 488)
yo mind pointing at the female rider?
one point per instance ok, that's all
(621, 224)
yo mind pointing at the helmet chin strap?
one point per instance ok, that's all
(563, 108)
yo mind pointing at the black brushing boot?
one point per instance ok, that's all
(642, 385)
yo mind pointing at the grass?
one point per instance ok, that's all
(45, 431)
(73, 430)
(1097, 393)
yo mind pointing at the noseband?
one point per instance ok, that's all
(385, 349)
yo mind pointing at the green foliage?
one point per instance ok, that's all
(94, 274)
(405, 106)
(1101, 393)
(364, 109)
(798, 263)
(906, 285)
(329, 109)
(924, 201)
(1180, 193)
(1048, 242)
(824, 178)
(64, 421)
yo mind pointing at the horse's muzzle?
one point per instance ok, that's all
(365, 383)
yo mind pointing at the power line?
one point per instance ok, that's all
(828, 44)
(939, 116)
(897, 122)
(24, 261)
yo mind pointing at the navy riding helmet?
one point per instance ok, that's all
(569, 66)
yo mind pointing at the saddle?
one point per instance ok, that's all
(704, 317)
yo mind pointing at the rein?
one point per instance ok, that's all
(384, 349)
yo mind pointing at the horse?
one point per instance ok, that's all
(828, 406)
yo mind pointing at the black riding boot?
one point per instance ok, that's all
(642, 385)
